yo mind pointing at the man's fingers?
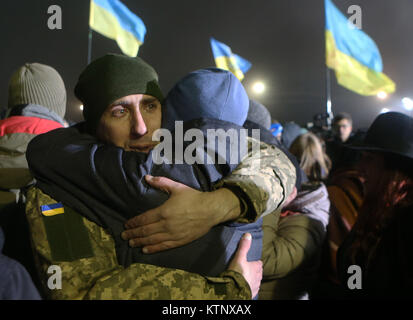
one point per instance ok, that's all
(151, 240)
(161, 246)
(155, 243)
(244, 247)
(143, 231)
(165, 184)
(148, 217)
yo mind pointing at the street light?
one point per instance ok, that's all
(407, 103)
(258, 87)
(382, 95)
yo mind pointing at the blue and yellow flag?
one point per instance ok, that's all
(353, 55)
(52, 209)
(225, 59)
(114, 20)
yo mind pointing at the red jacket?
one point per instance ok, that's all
(31, 125)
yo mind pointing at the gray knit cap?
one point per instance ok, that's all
(35, 83)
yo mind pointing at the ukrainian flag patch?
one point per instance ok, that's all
(52, 209)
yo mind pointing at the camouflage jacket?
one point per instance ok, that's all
(76, 259)
(85, 253)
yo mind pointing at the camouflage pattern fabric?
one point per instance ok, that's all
(100, 277)
(266, 178)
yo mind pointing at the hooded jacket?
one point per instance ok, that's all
(79, 189)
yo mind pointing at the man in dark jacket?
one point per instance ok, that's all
(341, 157)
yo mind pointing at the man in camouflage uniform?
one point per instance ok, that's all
(87, 256)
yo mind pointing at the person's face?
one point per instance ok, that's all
(343, 129)
(370, 166)
(130, 121)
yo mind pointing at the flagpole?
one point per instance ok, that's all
(89, 48)
(328, 83)
(328, 97)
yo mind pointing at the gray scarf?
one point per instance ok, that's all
(35, 110)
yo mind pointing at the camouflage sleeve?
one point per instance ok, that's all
(98, 275)
(148, 282)
(262, 181)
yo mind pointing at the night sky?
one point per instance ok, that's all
(283, 39)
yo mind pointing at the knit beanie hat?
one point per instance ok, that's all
(259, 114)
(111, 77)
(35, 83)
(290, 132)
(207, 93)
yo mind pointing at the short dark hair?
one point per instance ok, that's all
(341, 116)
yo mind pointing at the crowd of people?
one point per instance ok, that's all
(87, 211)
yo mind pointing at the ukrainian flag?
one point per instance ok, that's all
(52, 209)
(114, 20)
(353, 55)
(225, 59)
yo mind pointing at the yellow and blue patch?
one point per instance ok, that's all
(52, 209)
(67, 235)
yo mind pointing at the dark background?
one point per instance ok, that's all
(283, 39)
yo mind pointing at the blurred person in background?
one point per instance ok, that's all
(342, 127)
(36, 104)
(380, 243)
(293, 233)
(290, 132)
(313, 160)
(342, 135)
(276, 130)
